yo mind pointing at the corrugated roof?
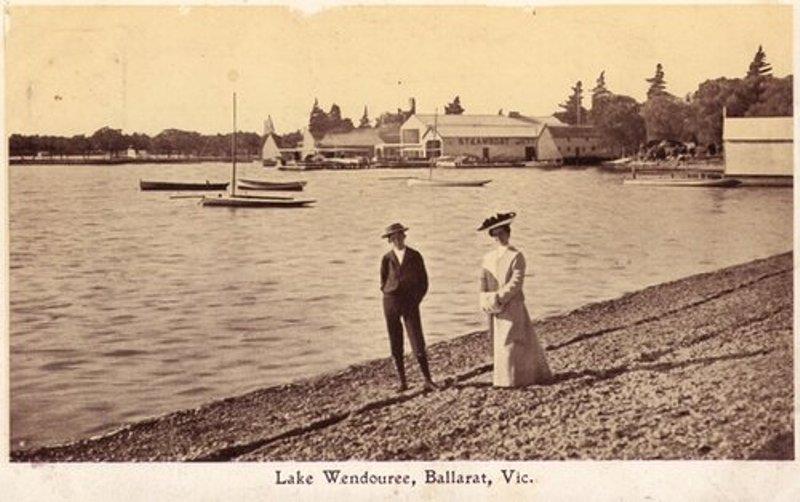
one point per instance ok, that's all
(758, 128)
(356, 137)
(480, 125)
(549, 120)
(390, 133)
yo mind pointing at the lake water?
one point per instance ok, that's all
(128, 304)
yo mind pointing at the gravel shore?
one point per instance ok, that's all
(700, 368)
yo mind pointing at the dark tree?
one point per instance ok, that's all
(759, 67)
(619, 122)
(775, 100)
(600, 90)
(108, 140)
(657, 83)
(667, 117)
(317, 121)
(454, 108)
(573, 111)
(364, 122)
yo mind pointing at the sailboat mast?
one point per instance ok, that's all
(233, 149)
(435, 138)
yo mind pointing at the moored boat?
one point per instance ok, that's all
(682, 182)
(180, 185)
(446, 183)
(254, 201)
(250, 184)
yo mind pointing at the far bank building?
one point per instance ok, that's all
(759, 150)
(493, 138)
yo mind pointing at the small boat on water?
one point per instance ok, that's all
(446, 183)
(616, 164)
(250, 184)
(544, 164)
(682, 182)
(303, 166)
(254, 201)
(180, 185)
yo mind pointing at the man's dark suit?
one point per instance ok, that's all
(404, 285)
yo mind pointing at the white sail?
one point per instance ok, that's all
(309, 147)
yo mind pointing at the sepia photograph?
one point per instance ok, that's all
(413, 247)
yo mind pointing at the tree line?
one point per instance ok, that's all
(625, 124)
(113, 142)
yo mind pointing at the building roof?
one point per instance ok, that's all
(758, 128)
(479, 125)
(356, 138)
(549, 120)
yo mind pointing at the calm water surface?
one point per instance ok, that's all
(127, 304)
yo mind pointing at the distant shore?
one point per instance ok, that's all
(699, 368)
(57, 161)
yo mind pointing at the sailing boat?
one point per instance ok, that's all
(430, 182)
(234, 200)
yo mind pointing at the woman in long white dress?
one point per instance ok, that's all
(519, 358)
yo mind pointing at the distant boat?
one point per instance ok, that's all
(446, 183)
(180, 185)
(544, 164)
(250, 184)
(682, 182)
(255, 201)
(303, 166)
(616, 164)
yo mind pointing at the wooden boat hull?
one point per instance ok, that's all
(683, 182)
(302, 167)
(445, 183)
(296, 186)
(254, 202)
(177, 185)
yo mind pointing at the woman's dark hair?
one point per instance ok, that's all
(507, 228)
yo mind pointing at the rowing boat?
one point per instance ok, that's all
(180, 185)
(254, 201)
(249, 184)
(683, 182)
(446, 183)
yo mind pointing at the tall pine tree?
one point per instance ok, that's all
(574, 113)
(657, 83)
(600, 91)
(759, 67)
(318, 120)
(364, 123)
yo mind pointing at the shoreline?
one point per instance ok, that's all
(698, 368)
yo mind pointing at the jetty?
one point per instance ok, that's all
(698, 368)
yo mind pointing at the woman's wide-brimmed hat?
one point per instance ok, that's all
(393, 229)
(498, 220)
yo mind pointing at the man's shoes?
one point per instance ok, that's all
(402, 388)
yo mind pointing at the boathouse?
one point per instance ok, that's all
(759, 150)
(492, 138)
(579, 144)
(367, 142)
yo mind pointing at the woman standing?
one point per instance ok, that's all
(519, 358)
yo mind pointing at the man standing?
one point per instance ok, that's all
(404, 283)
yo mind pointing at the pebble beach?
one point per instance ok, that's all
(699, 368)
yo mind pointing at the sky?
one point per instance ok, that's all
(74, 69)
